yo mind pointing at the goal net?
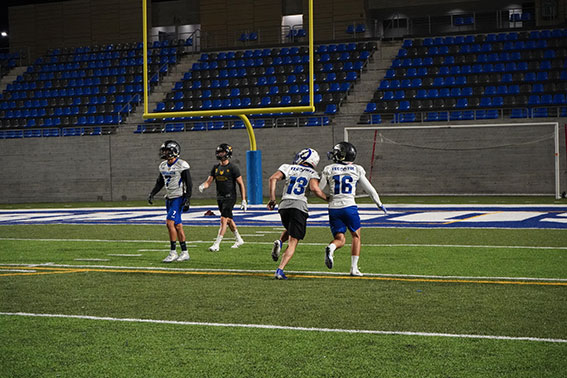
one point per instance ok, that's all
(501, 159)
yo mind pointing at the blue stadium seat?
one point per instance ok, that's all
(520, 113)
(540, 113)
(406, 117)
(533, 100)
(370, 107)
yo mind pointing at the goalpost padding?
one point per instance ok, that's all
(481, 159)
(254, 176)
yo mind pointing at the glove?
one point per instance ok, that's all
(151, 199)
(272, 205)
(186, 206)
(201, 188)
(383, 208)
(244, 205)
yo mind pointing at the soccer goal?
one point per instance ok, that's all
(481, 159)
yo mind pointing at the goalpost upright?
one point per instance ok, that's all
(253, 156)
(555, 125)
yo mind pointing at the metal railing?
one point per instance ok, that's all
(464, 114)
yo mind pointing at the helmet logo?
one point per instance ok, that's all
(307, 156)
(223, 151)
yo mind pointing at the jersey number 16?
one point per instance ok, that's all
(343, 184)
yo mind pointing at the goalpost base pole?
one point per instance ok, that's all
(254, 177)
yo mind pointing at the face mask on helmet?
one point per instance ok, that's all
(307, 156)
(343, 152)
(223, 152)
(169, 149)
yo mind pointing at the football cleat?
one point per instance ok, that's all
(280, 275)
(214, 248)
(276, 249)
(329, 258)
(238, 243)
(184, 256)
(171, 257)
(355, 272)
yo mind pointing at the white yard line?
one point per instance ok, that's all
(288, 328)
(17, 271)
(79, 259)
(325, 273)
(303, 243)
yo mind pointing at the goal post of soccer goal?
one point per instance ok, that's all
(473, 159)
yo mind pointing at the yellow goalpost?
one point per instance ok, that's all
(243, 112)
(253, 156)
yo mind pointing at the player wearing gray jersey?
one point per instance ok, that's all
(300, 176)
(175, 176)
(343, 178)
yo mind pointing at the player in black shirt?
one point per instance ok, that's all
(226, 176)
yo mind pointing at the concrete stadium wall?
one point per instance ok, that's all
(124, 166)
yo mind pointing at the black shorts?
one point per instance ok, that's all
(295, 222)
(225, 207)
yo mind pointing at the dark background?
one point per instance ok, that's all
(4, 26)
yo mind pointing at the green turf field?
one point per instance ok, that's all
(432, 303)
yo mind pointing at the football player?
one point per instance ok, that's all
(226, 176)
(300, 176)
(343, 177)
(174, 174)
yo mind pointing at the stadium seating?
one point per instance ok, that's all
(269, 77)
(83, 88)
(8, 61)
(482, 76)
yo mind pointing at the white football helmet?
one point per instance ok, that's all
(307, 156)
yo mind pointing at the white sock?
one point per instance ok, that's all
(218, 240)
(332, 247)
(354, 262)
(237, 235)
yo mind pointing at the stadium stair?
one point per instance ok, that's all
(11, 77)
(269, 77)
(159, 92)
(357, 99)
(86, 90)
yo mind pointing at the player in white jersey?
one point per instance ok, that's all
(343, 178)
(299, 176)
(175, 176)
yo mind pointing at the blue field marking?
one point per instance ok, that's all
(413, 216)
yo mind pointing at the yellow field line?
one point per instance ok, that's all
(259, 274)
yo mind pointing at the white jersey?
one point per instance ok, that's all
(343, 180)
(297, 179)
(174, 186)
